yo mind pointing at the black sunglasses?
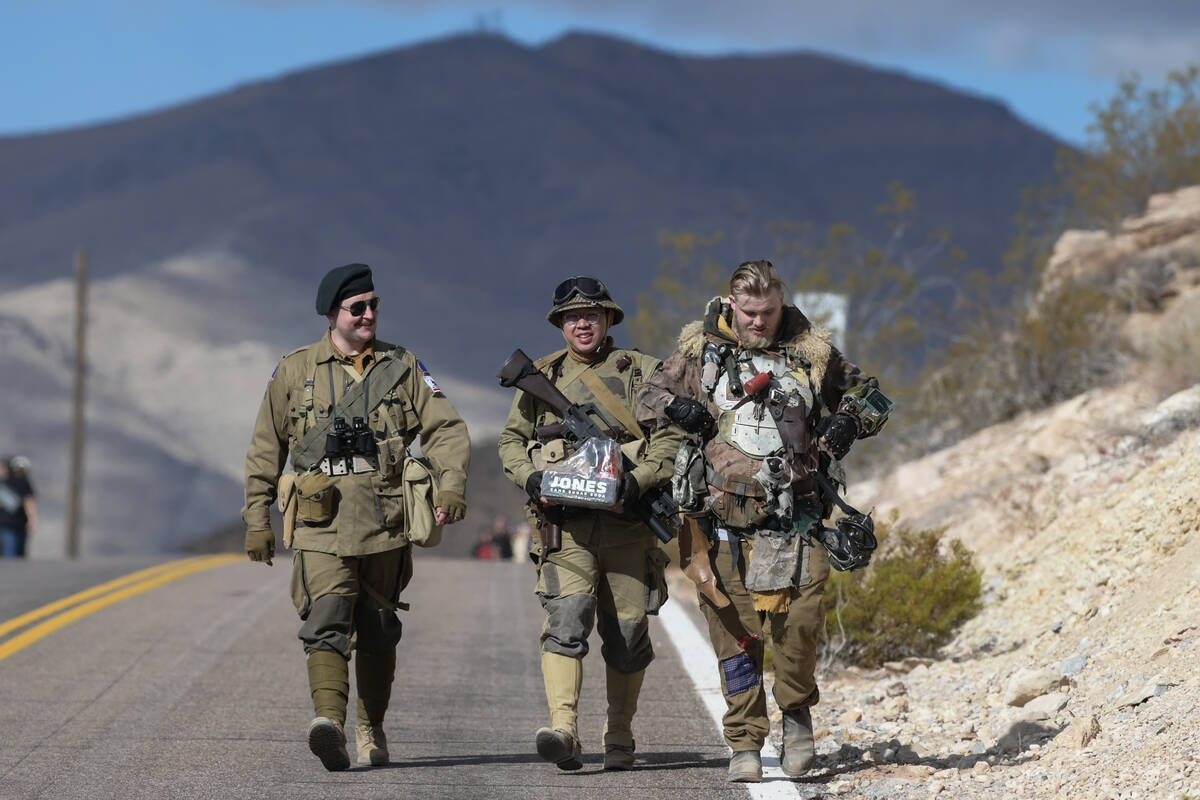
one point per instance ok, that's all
(359, 307)
(590, 288)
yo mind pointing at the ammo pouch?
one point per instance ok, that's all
(740, 504)
(543, 454)
(286, 493)
(420, 492)
(314, 497)
(656, 579)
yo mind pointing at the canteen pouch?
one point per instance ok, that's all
(287, 504)
(314, 498)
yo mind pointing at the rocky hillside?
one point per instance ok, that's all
(1080, 676)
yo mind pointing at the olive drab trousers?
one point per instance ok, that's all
(795, 635)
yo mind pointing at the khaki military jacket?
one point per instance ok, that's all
(805, 348)
(622, 372)
(369, 507)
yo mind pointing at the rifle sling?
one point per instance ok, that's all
(612, 404)
(385, 375)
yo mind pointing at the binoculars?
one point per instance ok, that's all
(350, 448)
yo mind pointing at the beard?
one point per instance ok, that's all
(751, 340)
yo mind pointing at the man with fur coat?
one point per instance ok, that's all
(759, 388)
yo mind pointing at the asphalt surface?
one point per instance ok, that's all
(197, 688)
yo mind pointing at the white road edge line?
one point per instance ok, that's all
(698, 658)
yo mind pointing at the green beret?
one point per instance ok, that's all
(340, 283)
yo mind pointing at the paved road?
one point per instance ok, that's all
(196, 688)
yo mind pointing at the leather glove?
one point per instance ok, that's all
(690, 415)
(630, 491)
(260, 545)
(838, 433)
(452, 504)
(533, 487)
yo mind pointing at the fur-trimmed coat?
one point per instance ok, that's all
(680, 375)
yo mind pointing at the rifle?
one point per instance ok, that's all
(655, 507)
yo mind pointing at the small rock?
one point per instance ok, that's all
(981, 767)
(1056, 627)
(896, 689)
(840, 787)
(1048, 704)
(1073, 665)
(914, 772)
(849, 718)
(894, 708)
(1027, 684)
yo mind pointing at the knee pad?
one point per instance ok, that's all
(569, 622)
(328, 624)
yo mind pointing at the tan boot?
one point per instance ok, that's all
(373, 673)
(559, 743)
(623, 690)
(327, 741)
(372, 744)
(329, 682)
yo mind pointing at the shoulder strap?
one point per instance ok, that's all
(611, 403)
(378, 381)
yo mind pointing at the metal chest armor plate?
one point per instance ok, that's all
(750, 428)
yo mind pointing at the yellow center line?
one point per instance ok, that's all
(48, 627)
(87, 594)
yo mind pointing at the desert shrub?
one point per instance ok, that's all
(915, 595)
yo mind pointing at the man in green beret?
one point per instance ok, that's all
(346, 408)
(608, 570)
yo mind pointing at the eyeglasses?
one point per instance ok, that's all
(590, 288)
(572, 318)
(359, 307)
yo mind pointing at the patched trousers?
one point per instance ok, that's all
(795, 635)
(344, 600)
(611, 586)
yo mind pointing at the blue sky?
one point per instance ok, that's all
(72, 62)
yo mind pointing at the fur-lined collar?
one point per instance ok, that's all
(797, 334)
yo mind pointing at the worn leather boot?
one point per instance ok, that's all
(623, 690)
(373, 674)
(559, 747)
(559, 743)
(798, 748)
(745, 766)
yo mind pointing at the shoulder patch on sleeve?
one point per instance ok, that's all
(429, 381)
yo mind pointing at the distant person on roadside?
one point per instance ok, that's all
(346, 408)
(18, 508)
(501, 538)
(607, 569)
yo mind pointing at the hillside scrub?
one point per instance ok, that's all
(910, 601)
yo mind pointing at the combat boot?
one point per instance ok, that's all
(373, 673)
(623, 690)
(327, 741)
(372, 744)
(559, 747)
(329, 683)
(559, 743)
(745, 766)
(798, 749)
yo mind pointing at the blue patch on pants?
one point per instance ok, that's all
(741, 674)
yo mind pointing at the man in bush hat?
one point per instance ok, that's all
(757, 387)
(607, 570)
(346, 408)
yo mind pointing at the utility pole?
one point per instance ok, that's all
(75, 481)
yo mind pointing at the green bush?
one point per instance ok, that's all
(917, 592)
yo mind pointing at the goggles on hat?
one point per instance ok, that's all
(589, 288)
(359, 307)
